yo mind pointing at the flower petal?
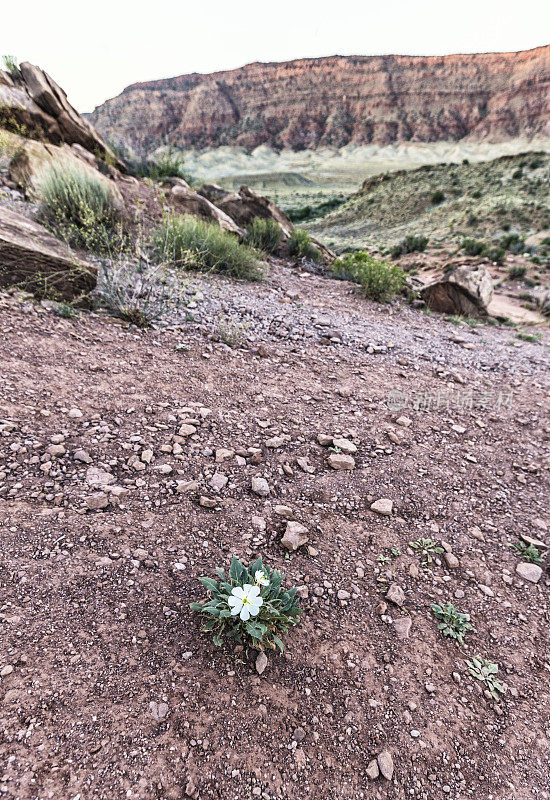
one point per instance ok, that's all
(238, 591)
(254, 592)
(233, 601)
(235, 610)
(245, 613)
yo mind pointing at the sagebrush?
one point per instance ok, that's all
(264, 235)
(78, 207)
(379, 280)
(300, 245)
(213, 249)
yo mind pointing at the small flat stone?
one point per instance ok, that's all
(405, 422)
(402, 626)
(83, 456)
(341, 461)
(260, 487)
(345, 446)
(5, 671)
(372, 770)
(97, 477)
(295, 536)
(529, 572)
(97, 501)
(183, 487)
(261, 663)
(207, 502)
(223, 454)
(385, 763)
(218, 481)
(187, 430)
(395, 594)
(451, 560)
(324, 440)
(384, 507)
(158, 710)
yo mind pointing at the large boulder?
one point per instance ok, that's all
(30, 257)
(245, 205)
(33, 104)
(186, 201)
(466, 291)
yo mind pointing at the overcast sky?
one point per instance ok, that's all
(94, 50)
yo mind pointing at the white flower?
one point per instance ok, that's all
(260, 578)
(245, 601)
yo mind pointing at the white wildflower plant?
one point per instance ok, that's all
(249, 606)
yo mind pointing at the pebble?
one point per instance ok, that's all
(402, 626)
(260, 487)
(345, 446)
(385, 763)
(395, 594)
(529, 572)
(341, 461)
(372, 770)
(384, 507)
(451, 560)
(261, 662)
(295, 536)
(97, 501)
(5, 671)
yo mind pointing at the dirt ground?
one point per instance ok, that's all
(108, 690)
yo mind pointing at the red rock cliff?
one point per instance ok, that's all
(313, 102)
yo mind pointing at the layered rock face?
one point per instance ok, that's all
(333, 101)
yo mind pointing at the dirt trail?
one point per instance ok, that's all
(113, 692)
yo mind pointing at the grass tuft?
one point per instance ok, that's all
(379, 280)
(264, 235)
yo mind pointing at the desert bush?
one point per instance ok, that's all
(378, 279)
(437, 197)
(211, 249)
(413, 243)
(168, 165)
(249, 605)
(264, 235)
(473, 247)
(78, 207)
(517, 272)
(453, 623)
(139, 292)
(300, 245)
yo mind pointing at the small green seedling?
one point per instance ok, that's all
(382, 559)
(485, 671)
(249, 605)
(453, 623)
(426, 548)
(528, 552)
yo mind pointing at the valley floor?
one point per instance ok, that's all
(107, 688)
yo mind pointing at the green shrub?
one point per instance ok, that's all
(516, 273)
(300, 245)
(473, 247)
(264, 234)
(437, 197)
(168, 165)
(249, 605)
(78, 207)
(486, 671)
(495, 254)
(528, 552)
(413, 243)
(196, 244)
(379, 279)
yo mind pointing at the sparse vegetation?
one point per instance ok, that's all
(413, 243)
(528, 552)
(168, 165)
(379, 280)
(78, 207)
(426, 548)
(453, 623)
(300, 245)
(517, 273)
(11, 65)
(437, 197)
(195, 244)
(139, 293)
(249, 606)
(486, 671)
(528, 337)
(264, 235)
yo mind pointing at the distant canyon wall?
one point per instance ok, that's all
(334, 101)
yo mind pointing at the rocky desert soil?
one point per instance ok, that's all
(126, 467)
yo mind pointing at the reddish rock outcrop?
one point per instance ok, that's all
(313, 102)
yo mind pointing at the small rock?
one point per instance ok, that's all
(451, 560)
(183, 487)
(395, 594)
(295, 536)
(158, 710)
(345, 446)
(222, 454)
(341, 461)
(5, 671)
(529, 572)
(187, 430)
(385, 762)
(261, 662)
(97, 501)
(402, 626)
(283, 511)
(98, 477)
(218, 481)
(372, 770)
(405, 422)
(384, 507)
(82, 455)
(260, 487)
(75, 413)
(207, 502)
(324, 440)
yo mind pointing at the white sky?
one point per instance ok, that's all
(93, 50)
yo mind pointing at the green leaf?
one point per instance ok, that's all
(196, 606)
(209, 583)
(235, 569)
(278, 643)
